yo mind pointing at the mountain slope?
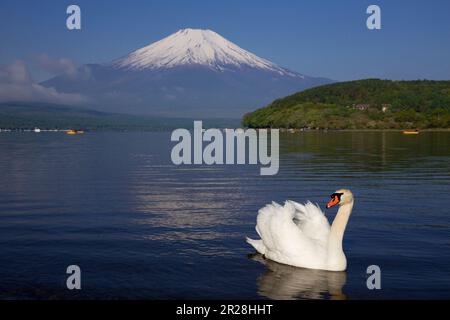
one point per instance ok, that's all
(361, 104)
(191, 73)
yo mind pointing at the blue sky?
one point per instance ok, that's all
(317, 38)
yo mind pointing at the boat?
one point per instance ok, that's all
(411, 132)
(75, 132)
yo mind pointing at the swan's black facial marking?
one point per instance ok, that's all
(336, 194)
(335, 199)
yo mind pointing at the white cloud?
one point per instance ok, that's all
(16, 84)
(16, 73)
(56, 65)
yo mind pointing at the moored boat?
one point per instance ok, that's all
(75, 132)
(411, 132)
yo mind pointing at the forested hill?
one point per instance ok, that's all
(361, 104)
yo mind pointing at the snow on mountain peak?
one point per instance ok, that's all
(195, 47)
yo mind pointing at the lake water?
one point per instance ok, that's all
(140, 227)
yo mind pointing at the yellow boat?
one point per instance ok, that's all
(75, 132)
(411, 132)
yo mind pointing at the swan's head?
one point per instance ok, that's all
(340, 197)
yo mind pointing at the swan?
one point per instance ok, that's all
(300, 235)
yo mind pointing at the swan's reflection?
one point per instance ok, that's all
(282, 282)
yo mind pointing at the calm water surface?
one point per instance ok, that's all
(141, 227)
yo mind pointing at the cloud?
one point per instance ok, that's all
(16, 84)
(15, 73)
(62, 67)
(37, 93)
(56, 65)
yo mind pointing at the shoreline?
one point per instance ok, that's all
(284, 130)
(168, 129)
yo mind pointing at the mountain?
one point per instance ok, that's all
(190, 73)
(361, 104)
(196, 47)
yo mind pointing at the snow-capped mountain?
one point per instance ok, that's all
(191, 73)
(196, 47)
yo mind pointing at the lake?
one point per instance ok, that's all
(140, 227)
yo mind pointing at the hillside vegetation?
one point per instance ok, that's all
(361, 104)
(17, 116)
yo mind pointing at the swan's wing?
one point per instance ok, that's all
(264, 221)
(312, 222)
(279, 232)
(292, 234)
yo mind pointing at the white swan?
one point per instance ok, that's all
(300, 235)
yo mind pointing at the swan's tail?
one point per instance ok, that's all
(257, 244)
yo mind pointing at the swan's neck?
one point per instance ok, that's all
(335, 252)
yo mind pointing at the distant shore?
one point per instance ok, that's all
(282, 130)
(360, 130)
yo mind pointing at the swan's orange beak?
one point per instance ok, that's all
(334, 201)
